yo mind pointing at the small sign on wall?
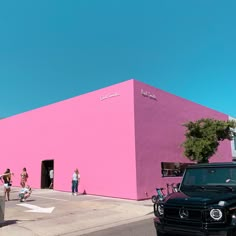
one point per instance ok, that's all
(111, 95)
(148, 94)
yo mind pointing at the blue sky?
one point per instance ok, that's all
(54, 50)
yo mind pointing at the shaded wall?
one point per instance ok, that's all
(159, 134)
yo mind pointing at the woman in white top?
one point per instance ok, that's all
(75, 182)
(7, 183)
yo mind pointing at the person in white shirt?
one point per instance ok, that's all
(51, 175)
(75, 182)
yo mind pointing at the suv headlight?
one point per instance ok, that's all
(160, 209)
(216, 214)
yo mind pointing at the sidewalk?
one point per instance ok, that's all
(59, 213)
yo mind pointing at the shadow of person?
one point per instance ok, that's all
(17, 199)
(14, 199)
(29, 200)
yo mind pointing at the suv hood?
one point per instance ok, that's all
(198, 198)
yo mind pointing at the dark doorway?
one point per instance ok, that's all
(47, 165)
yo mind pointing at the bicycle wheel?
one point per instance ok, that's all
(154, 199)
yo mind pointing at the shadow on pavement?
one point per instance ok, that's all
(11, 222)
(17, 199)
(150, 213)
(8, 222)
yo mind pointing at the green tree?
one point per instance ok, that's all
(204, 136)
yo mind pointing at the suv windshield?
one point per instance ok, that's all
(211, 176)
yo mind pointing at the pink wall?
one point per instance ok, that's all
(116, 136)
(159, 134)
(94, 132)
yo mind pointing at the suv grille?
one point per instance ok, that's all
(191, 217)
(174, 212)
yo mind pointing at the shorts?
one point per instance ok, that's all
(7, 186)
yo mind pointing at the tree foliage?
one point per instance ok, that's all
(204, 136)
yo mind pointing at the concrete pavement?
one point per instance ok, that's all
(50, 213)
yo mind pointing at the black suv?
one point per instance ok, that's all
(204, 205)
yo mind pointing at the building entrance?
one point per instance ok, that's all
(46, 166)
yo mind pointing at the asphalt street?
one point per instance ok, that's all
(140, 228)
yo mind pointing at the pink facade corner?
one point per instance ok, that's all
(116, 136)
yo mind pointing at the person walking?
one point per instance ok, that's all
(7, 184)
(24, 177)
(75, 182)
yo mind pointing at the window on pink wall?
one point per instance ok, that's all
(173, 169)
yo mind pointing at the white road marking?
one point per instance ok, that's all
(36, 208)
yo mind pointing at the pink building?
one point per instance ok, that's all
(120, 137)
